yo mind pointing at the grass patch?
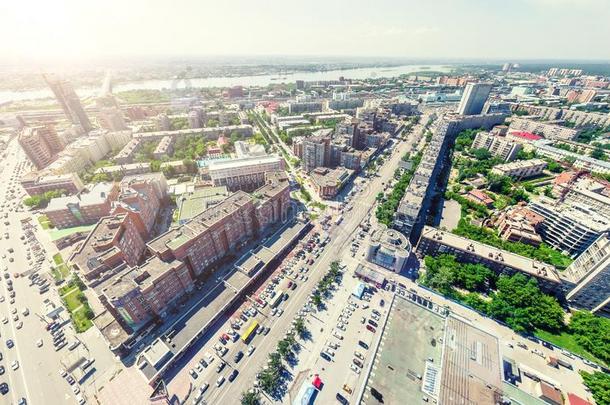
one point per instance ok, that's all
(73, 299)
(567, 341)
(76, 302)
(58, 259)
(80, 320)
(44, 222)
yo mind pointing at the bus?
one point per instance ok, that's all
(250, 331)
(277, 299)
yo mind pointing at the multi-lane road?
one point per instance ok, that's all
(340, 236)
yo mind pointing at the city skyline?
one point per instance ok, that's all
(464, 29)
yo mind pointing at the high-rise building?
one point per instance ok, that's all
(474, 98)
(41, 144)
(69, 101)
(590, 273)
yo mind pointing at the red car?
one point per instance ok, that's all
(369, 327)
(289, 284)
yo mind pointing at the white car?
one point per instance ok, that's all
(354, 368)
(39, 343)
(337, 334)
(15, 365)
(250, 350)
(19, 325)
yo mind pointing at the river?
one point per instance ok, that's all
(246, 81)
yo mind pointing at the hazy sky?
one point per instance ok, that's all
(488, 29)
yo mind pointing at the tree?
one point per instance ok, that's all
(598, 153)
(283, 348)
(481, 154)
(591, 332)
(300, 327)
(599, 384)
(250, 398)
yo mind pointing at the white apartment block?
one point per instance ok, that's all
(569, 228)
(244, 173)
(590, 275)
(589, 192)
(549, 131)
(544, 148)
(496, 145)
(520, 169)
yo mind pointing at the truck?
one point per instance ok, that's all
(339, 220)
(564, 363)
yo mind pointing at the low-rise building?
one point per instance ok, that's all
(34, 183)
(389, 249)
(164, 147)
(519, 224)
(85, 208)
(501, 147)
(479, 197)
(433, 241)
(246, 173)
(520, 169)
(120, 171)
(581, 161)
(328, 182)
(550, 131)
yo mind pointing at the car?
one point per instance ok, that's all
(74, 345)
(220, 381)
(325, 356)
(75, 389)
(1, 370)
(4, 388)
(193, 373)
(15, 317)
(19, 325)
(357, 362)
(337, 334)
(220, 366)
(233, 375)
(5, 320)
(14, 364)
(376, 312)
(329, 351)
(370, 328)
(363, 345)
(372, 323)
(522, 345)
(250, 350)
(377, 395)
(265, 330)
(354, 368)
(9, 343)
(208, 358)
(359, 355)
(238, 356)
(341, 399)
(14, 311)
(63, 373)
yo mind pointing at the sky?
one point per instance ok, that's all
(447, 29)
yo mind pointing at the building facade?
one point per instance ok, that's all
(474, 98)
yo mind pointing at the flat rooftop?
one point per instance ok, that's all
(91, 251)
(412, 336)
(199, 200)
(503, 257)
(471, 372)
(237, 163)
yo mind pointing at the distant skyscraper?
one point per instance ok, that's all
(474, 98)
(69, 101)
